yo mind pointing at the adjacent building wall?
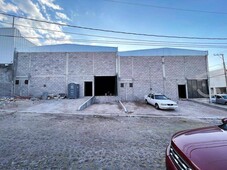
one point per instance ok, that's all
(158, 74)
(6, 80)
(11, 39)
(217, 81)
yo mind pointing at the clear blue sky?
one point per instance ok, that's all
(195, 18)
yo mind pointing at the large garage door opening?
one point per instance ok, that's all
(105, 85)
(197, 88)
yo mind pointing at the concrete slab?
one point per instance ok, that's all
(207, 102)
(57, 106)
(104, 109)
(185, 109)
(45, 106)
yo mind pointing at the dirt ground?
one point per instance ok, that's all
(54, 135)
(67, 141)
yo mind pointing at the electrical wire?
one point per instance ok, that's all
(218, 75)
(215, 65)
(164, 7)
(137, 41)
(115, 42)
(114, 31)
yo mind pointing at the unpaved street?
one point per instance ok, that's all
(55, 141)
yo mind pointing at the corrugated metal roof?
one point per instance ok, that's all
(70, 48)
(164, 52)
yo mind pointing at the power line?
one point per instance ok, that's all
(114, 31)
(117, 42)
(164, 7)
(215, 65)
(218, 75)
(111, 37)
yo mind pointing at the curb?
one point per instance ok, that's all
(207, 104)
(114, 115)
(86, 104)
(123, 106)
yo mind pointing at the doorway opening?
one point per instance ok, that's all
(105, 85)
(88, 88)
(182, 91)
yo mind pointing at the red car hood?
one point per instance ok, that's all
(206, 148)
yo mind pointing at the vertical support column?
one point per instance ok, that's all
(29, 74)
(132, 67)
(15, 64)
(13, 23)
(66, 72)
(208, 76)
(164, 74)
(93, 67)
(186, 86)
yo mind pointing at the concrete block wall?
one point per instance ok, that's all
(47, 64)
(175, 67)
(6, 80)
(126, 67)
(52, 85)
(23, 65)
(196, 67)
(52, 72)
(144, 72)
(105, 64)
(161, 74)
(80, 64)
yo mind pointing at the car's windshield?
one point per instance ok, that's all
(225, 97)
(161, 97)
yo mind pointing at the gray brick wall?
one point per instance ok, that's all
(147, 72)
(175, 67)
(126, 67)
(6, 80)
(52, 72)
(104, 64)
(53, 85)
(23, 65)
(195, 67)
(47, 64)
(80, 64)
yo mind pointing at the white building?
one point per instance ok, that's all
(11, 39)
(217, 81)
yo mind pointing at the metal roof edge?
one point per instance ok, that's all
(71, 48)
(159, 52)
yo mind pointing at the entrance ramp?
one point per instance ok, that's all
(57, 106)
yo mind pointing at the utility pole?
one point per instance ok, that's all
(13, 22)
(223, 61)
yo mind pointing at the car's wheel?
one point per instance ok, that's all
(156, 106)
(146, 101)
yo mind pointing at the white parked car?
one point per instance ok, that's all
(160, 101)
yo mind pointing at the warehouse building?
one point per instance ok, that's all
(103, 71)
(177, 73)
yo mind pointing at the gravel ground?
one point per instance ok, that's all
(57, 141)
